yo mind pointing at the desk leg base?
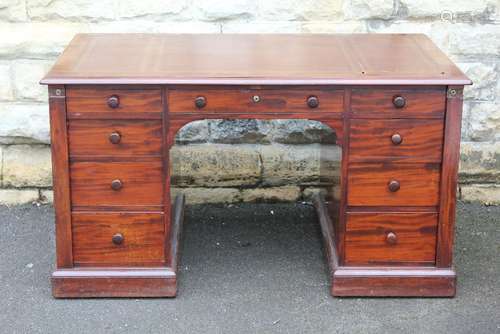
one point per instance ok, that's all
(87, 283)
(386, 281)
(125, 282)
(393, 282)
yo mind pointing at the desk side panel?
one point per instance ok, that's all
(60, 176)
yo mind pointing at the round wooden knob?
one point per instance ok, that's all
(391, 238)
(116, 184)
(113, 101)
(396, 139)
(117, 239)
(115, 137)
(312, 102)
(399, 101)
(394, 186)
(200, 102)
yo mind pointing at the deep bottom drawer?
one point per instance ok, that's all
(391, 238)
(118, 239)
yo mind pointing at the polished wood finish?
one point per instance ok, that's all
(379, 103)
(118, 239)
(60, 176)
(94, 102)
(449, 177)
(117, 102)
(130, 282)
(279, 59)
(370, 184)
(141, 183)
(396, 140)
(388, 238)
(255, 100)
(115, 138)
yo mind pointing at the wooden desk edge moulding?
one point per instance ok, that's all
(117, 100)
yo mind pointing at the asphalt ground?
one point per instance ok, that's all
(248, 268)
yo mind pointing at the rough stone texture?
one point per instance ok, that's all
(468, 39)
(13, 10)
(480, 162)
(300, 10)
(239, 131)
(23, 123)
(367, 9)
(484, 193)
(485, 78)
(463, 10)
(6, 89)
(26, 76)
(27, 166)
(275, 194)
(76, 10)
(18, 196)
(207, 195)
(215, 165)
(46, 196)
(194, 132)
(283, 164)
(483, 121)
(34, 32)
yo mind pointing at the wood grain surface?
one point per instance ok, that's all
(143, 243)
(91, 138)
(369, 59)
(366, 236)
(370, 140)
(368, 184)
(91, 183)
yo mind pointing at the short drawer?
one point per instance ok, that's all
(118, 239)
(396, 140)
(115, 137)
(390, 238)
(116, 183)
(97, 102)
(397, 103)
(393, 184)
(255, 100)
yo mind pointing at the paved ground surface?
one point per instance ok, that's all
(246, 269)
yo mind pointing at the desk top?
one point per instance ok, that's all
(283, 59)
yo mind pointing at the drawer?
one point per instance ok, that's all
(116, 183)
(115, 137)
(392, 184)
(397, 103)
(97, 102)
(385, 238)
(396, 139)
(258, 100)
(118, 239)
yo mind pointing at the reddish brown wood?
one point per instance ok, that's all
(91, 183)
(60, 176)
(91, 138)
(416, 140)
(143, 237)
(415, 283)
(266, 59)
(449, 175)
(85, 283)
(397, 177)
(378, 103)
(369, 184)
(92, 102)
(390, 238)
(176, 231)
(255, 100)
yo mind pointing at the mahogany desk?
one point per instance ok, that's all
(117, 101)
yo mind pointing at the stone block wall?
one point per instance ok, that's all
(228, 161)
